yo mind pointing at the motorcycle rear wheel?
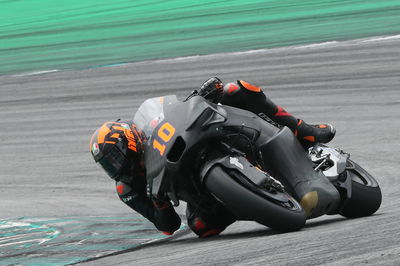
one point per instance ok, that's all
(247, 202)
(366, 195)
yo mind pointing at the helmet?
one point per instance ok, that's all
(212, 89)
(118, 148)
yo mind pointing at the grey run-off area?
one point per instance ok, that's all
(47, 170)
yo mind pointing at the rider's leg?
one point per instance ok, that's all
(246, 96)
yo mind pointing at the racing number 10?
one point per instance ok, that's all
(165, 133)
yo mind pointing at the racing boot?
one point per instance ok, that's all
(307, 134)
(310, 134)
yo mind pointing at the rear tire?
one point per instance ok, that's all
(247, 202)
(366, 194)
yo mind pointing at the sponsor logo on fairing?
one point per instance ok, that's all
(235, 161)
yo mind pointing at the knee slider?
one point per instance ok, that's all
(122, 188)
(201, 228)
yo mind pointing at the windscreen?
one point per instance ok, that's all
(151, 113)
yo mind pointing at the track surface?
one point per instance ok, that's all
(46, 169)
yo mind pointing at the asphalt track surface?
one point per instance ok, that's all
(46, 169)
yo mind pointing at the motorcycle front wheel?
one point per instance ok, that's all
(366, 196)
(275, 209)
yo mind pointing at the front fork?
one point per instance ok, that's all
(334, 164)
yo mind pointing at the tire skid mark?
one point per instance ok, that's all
(61, 241)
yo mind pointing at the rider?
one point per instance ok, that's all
(118, 148)
(246, 96)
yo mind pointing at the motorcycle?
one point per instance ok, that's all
(197, 151)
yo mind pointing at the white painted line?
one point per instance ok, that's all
(199, 57)
(7, 238)
(40, 240)
(255, 51)
(317, 45)
(24, 232)
(13, 224)
(379, 39)
(36, 73)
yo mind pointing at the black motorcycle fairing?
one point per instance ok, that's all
(187, 127)
(211, 114)
(283, 153)
(184, 127)
(237, 163)
(285, 156)
(245, 173)
(246, 201)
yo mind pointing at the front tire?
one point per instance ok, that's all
(249, 202)
(366, 194)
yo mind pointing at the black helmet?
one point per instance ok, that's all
(118, 147)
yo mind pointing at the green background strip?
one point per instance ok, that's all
(43, 35)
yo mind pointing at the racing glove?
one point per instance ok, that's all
(211, 89)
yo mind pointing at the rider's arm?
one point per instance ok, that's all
(240, 94)
(163, 216)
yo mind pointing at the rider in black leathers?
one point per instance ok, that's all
(118, 148)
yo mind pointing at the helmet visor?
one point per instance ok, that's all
(114, 162)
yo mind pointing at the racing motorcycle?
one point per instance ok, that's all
(198, 150)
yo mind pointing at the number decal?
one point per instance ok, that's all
(165, 133)
(158, 146)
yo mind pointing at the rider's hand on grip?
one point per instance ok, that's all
(211, 89)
